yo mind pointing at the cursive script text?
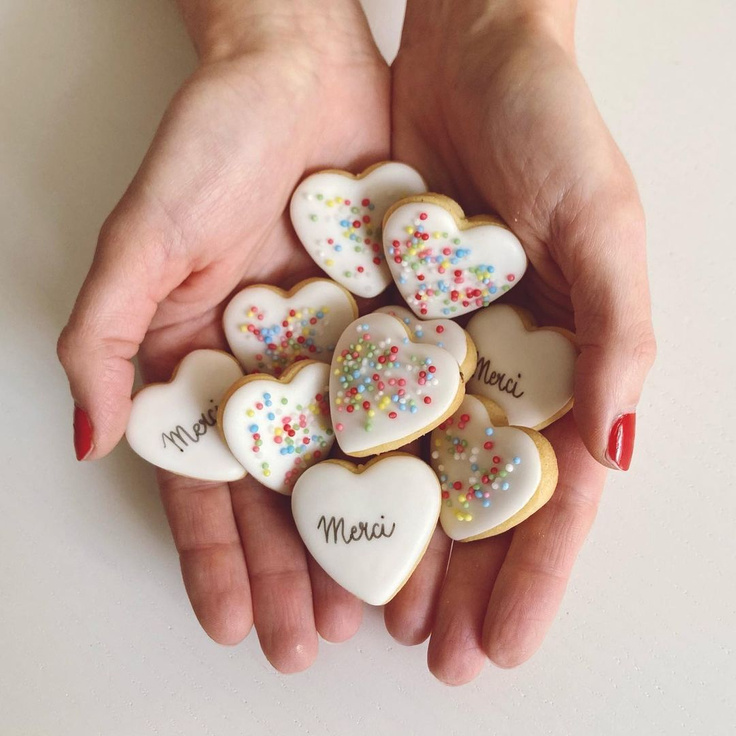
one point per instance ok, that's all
(181, 438)
(334, 530)
(507, 384)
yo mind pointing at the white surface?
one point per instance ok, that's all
(96, 634)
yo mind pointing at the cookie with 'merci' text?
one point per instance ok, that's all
(368, 526)
(527, 370)
(386, 389)
(493, 476)
(174, 425)
(277, 428)
(337, 216)
(269, 329)
(444, 264)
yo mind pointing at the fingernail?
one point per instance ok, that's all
(621, 441)
(82, 433)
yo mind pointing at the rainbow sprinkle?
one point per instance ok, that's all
(358, 231)
(382, 376)
(298, 431)
(439, 265)
(293, 339)
(483, 482)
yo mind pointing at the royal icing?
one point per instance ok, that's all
(278, 428)
(527, 371)
(444, 333)
(269, 329)
(174, 425)
(368, 527)
(487, 473)
(337, 217)
(446, 269)
(386, 390)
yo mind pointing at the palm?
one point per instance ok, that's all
(495, 141)
(230, 151)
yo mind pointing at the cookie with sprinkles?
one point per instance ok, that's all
(277, 428)
(368, 526)
(269, 329)
(337, 216)
(386, 389)
(492, 476)
(444, 264)
(444, 333)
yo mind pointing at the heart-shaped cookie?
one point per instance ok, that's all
(269, 329)
(174, 425)
(492, 476)
(386, 390)
(368, 526)
(444, 333)
(277, 428)
(444, 264)
(337, 216)
(527, 370)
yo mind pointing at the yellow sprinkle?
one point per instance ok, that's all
(329, 262)
(329, 203)
(266, 473)
(371, 413)
(409, 229)
(250, 412)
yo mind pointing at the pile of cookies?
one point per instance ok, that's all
(308, 372)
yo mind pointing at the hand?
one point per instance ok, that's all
(489, 104)
(292, 91)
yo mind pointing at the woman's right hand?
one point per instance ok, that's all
(280, 91)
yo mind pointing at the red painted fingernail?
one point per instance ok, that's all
(621, 441)
(82, 433)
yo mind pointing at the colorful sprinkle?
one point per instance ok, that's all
(294, 338)
(482, 482)
(379, 375)
(440, 266)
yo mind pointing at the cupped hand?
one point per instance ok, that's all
(205, 214)
(492, 108)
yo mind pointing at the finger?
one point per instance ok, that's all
(337, 613)
(610, 296)
(131, 273)
(279, 576)
(455, 655)
(211, 555)
(410, 614)
(534, 575)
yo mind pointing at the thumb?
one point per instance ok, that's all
(131, 273)
(610, 298)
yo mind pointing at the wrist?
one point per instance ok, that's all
(487, 19)
(224, 29)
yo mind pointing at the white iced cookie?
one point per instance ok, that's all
(385, 389)
(492, 476)
(174, 425)
(527, 370)
(444, 264)
(277, 428)
(444, 333)
(368, 526)
(337, 216)
(269, 329)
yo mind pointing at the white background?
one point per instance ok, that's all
(96, 634)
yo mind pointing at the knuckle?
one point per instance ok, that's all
(64, 347)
